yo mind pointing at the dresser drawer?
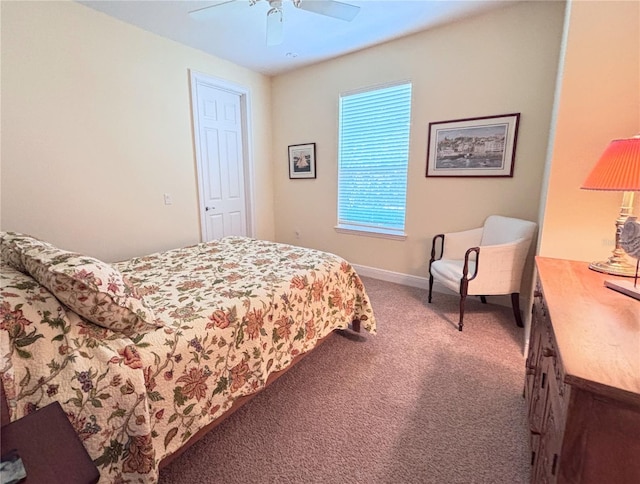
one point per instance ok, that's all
(551, 352)
(550, 446)
(536, 378)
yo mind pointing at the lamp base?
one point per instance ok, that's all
(625, 287)
(616, 268)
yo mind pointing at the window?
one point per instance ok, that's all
(373, 155)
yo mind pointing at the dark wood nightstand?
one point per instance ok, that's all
(49, 447)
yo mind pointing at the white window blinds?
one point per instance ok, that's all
(373, 158)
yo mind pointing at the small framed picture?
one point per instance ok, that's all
(302, 161)
(473, 147)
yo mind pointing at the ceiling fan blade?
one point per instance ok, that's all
(275, 32)
(205, 13)
(331, 8)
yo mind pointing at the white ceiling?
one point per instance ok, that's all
(236, 31)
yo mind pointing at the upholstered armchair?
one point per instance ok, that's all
(485, 261)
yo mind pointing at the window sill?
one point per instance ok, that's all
(370, 232)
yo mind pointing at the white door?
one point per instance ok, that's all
(220, 146)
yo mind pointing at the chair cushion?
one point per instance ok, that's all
(502, 230)
(449, 272)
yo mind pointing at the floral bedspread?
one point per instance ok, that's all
(234, 311)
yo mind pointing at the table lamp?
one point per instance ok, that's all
(618, 169)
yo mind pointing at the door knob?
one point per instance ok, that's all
(209, 208)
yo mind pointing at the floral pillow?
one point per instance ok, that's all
(10, 253)
(92, 288)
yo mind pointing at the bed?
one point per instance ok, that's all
(147, 355)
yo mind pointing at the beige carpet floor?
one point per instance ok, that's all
(418, 403)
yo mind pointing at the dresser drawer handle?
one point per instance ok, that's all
(548, 352)
(554, 466)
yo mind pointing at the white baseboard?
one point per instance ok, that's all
(423, 283)
(399, 278)
(416, 281)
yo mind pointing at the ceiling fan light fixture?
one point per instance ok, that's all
(275, 31)
(329, 8)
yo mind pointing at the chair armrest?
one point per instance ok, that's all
(472, 254)
(499, 268)
(434, 242)
(455, 244)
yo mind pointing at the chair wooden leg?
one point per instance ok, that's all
(483, 299)
(430, 285)
(515, 302)
(463, 296)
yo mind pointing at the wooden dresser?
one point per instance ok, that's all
(583, 378)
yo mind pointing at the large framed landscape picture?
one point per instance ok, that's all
(473, 147)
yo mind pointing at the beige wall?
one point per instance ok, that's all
(501, 62)
(96, 127)
(599, 100)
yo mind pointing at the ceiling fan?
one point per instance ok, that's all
(330, 8)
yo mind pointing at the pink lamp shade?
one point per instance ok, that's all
(618, 168)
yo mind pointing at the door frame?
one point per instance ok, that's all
(247, 158)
